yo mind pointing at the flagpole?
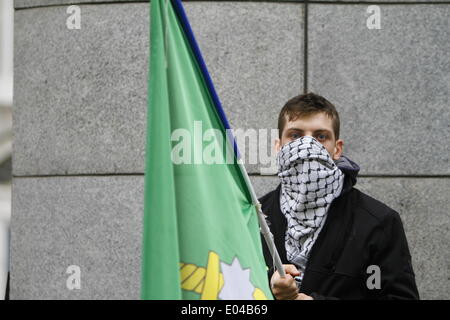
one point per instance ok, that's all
(264, 228)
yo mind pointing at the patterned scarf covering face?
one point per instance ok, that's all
(310, 181)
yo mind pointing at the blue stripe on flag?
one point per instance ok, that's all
(198, 55)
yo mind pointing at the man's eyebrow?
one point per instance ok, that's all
(315, 131)
(295, 129)
(322, 130)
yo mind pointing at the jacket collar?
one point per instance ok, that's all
(350, 170)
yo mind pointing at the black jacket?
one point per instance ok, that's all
(358, 232)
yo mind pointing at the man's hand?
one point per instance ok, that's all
(302, 296)
(286, 288)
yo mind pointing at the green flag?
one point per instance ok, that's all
(201, 236)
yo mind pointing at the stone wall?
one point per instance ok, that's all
(80, 109)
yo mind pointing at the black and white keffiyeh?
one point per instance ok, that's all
(310, 181)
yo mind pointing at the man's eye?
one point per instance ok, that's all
(321, 136)
(295, 136)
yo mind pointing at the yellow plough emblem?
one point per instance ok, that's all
(209, 281)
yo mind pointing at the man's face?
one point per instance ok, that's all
(319, 126)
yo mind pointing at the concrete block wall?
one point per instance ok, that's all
(80, 99)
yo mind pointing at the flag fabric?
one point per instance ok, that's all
(201, 235)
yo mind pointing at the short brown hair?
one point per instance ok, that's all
(306, 105)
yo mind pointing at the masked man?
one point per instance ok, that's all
(335, 241)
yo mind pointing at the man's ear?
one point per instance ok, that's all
(277, 145)
(338, 149)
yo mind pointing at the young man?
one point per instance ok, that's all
(336, 241)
